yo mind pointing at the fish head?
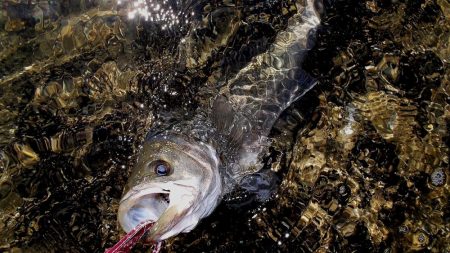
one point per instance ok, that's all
(174, 183)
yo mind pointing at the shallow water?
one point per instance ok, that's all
(363, 158)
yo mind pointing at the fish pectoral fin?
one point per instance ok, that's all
(233, 127)
(222, 114)
(262, 183)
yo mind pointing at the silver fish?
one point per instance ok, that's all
(179, 178)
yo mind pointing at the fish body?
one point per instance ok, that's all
(182, 174)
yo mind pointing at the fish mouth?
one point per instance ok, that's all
(166, 206)
(140, 206)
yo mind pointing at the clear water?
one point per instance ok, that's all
(362, 159)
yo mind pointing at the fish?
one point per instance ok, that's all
(183, 173)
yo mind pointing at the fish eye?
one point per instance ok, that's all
(161, 168)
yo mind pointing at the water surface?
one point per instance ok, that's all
(363, 158)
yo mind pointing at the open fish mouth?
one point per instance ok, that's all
(147, 205)
(171, 206)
